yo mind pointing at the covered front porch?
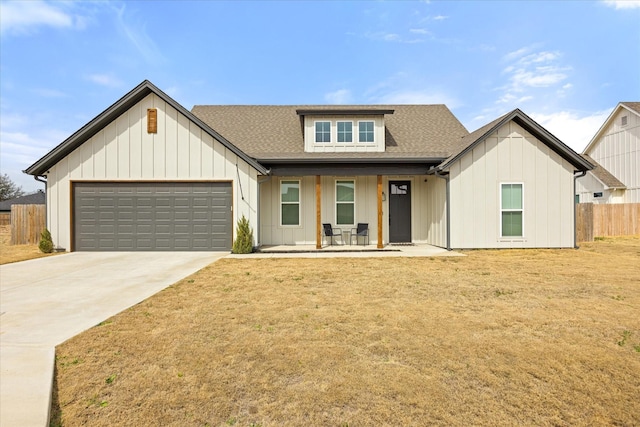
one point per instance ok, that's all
(398, 209)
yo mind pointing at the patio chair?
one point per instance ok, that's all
(362, 230)
(331, 232)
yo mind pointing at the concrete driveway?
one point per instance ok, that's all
(46, 301)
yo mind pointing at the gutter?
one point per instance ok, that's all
(575, 225)
(438, 173)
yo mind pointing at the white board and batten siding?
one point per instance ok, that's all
(617, 149)
(511, 155)
(428, 220)
(124, 151)
(588, 186)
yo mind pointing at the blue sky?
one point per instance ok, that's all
(566, 64)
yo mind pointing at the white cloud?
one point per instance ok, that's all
(137, 34)
(25, 17)
(419, 31)
(439, 18)
(341, 96)
(623, 4)
(104, 80)
(573, 129)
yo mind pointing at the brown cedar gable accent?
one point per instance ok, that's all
(474, 138)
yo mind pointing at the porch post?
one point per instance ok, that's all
(318, 213)
(379, 211)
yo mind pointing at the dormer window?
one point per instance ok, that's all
(345, 131)
(365, 131)
(323, 131)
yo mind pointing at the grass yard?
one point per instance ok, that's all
(14, 253)
(512, 337)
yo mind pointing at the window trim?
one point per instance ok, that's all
(502, 210)
(335, 201)
(338, 131)
(299, 203)
(315, 132)
(373, 132)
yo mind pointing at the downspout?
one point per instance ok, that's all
(448, 207)
(575, 225)
(262, 180)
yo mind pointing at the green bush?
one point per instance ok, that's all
(244, 238)
(46, 244)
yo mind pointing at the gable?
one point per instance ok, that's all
(530, 127)
(108, 116)
(624, 117)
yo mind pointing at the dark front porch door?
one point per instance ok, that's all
(399, 211)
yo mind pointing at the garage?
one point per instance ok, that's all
(152, 216)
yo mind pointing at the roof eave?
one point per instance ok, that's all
(431, 160)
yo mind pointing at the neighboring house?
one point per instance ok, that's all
(615, 153)
(37, 198)
(146, 174)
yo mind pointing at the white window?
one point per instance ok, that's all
(365, 131)
(511, 210)
(323, 131)
(345, 131)
(345, 202)
(290, 202)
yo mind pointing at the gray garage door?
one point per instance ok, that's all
(150, 216)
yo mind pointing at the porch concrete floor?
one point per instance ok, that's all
(352, 251)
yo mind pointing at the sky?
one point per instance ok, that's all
(565, 64)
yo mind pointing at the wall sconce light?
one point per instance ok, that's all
(384, 197)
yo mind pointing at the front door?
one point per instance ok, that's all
(399, 211)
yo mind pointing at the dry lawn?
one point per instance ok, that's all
(14, 253)
(513, 337)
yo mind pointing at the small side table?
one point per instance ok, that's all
(346, 234)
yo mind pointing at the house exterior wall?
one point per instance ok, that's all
(124, 151)
(587, 185)
(511, 155)
(432, 215)
(427, 209)
(617, 149)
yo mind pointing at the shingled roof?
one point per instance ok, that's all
(275, 132)
(603, 175)
(635, 106)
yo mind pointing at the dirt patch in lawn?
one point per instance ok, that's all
(14, 253)
(512, 337)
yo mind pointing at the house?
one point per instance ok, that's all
(37, 198)
(615, 153)
(147, 174)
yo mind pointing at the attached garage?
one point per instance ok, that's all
(152, 216)
(147, 175)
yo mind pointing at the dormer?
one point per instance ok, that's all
(343, 130)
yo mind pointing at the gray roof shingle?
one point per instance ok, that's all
(275, 132)
(635, 106)
(37, 198)
(604, 175)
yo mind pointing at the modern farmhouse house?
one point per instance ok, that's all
(147, 174)
(615, 153)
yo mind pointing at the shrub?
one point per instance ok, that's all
(46, 244)
(244, 238)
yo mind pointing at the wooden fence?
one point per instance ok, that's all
(5, 218)
(27, 223)
(606, 220)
